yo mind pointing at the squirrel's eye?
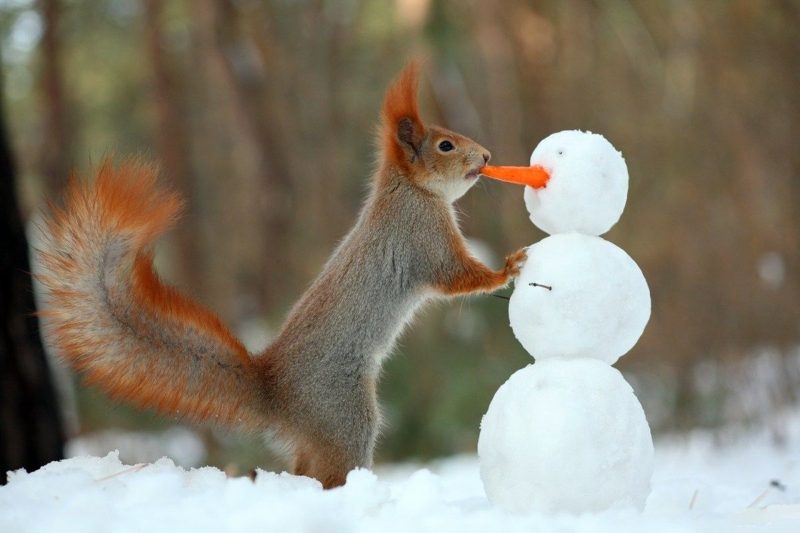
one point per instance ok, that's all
(446, 146)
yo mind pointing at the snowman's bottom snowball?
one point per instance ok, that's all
(566, 436)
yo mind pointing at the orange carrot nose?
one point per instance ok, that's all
(535, 176)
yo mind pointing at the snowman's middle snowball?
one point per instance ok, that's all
(579, 296)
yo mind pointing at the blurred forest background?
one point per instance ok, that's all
(262, 113)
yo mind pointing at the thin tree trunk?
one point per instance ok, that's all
(172, 142)
(55, 149)
(266, 172)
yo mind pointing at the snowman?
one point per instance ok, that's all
(567, 434)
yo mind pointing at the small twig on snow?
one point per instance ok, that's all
(134, 468)
(694, 499)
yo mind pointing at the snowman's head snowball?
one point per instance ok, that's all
(588, 184)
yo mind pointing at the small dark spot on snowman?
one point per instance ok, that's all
(561, 153)
(776, 484)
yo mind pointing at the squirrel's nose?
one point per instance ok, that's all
(486, 157)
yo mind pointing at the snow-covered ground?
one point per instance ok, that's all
(749, 484)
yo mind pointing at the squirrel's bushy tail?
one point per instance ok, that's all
(110, 317)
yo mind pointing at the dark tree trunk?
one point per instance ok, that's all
(31, 434)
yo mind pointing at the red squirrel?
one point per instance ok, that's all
(112, 319)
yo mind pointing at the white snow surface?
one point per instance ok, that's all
(588, 184)
(566, 436)
(598, 306)
(748, 484)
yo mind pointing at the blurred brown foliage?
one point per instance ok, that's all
(263, 115)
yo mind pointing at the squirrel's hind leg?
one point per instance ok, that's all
(324, 463)
(337, 435)
(329, 460)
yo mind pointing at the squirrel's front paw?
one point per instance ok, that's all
(515, 261)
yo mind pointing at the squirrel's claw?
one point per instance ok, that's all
(515, 261)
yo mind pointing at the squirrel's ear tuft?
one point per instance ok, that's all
(402, 130)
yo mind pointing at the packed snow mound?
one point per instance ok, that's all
(588, 184)
(699, 486)
(579, 296)
(566, 436)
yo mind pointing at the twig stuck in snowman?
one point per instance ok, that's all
(534, 284)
